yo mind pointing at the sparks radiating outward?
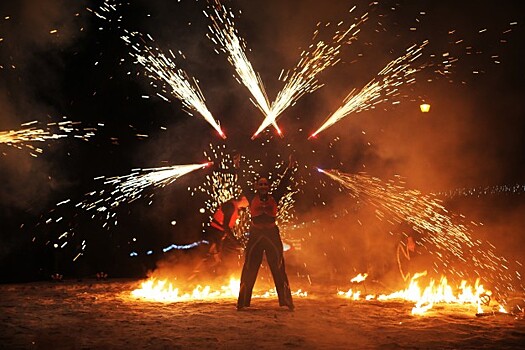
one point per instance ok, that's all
(32, 132)
(439, 228)
(302, 79)
(161, 67)
(222, 185)
(234, 46)
(379, 89)
(126, 189)
(483, 191)
(130, 187)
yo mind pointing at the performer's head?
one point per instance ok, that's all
(262, 186)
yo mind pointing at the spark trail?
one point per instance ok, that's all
(224, 33)
(124, 189)
(223, 184)
(302, 79)
(161, 67)
(379, 89)
(33, 131)
(129, 188)
(452, 241)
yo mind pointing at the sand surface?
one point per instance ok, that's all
(102, 315)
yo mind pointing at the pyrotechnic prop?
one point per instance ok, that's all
(448, 240)
(380, 89)
(34, 131)
(223, 184)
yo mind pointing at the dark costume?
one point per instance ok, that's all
(265, 237)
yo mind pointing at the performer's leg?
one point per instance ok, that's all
(274, 255)
(252, 262)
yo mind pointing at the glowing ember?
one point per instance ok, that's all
(164, 291)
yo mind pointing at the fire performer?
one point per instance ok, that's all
(220, 235)
(264, 237)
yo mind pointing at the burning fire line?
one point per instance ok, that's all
(161, 290)
(434, 293)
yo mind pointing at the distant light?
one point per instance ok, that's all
(425, 107)
(173, 223)
(149, 252)
(202, 210)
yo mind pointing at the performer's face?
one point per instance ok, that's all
(262, 186)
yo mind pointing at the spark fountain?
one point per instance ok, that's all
(161, 67)
(124, 189)
(32, 132)
(224, 32)
(300, 81)
(443, 236)
(380, 89)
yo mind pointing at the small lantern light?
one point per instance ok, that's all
(425, 107)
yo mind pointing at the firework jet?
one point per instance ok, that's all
(161, 67)
(297, 83)
(379, 89)
(451, 240)
(224, 32)
(31, 133)
(129, 187)
(302, 79)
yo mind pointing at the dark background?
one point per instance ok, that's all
(473, 136)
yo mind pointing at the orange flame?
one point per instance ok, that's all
(163, 291)
(434, 293)
(359, 278)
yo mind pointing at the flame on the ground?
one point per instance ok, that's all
(434, 293)
(164, 291)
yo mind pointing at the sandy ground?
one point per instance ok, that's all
(101, 315)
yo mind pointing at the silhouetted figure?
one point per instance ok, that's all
(264, 238)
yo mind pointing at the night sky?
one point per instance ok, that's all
(473, 136)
